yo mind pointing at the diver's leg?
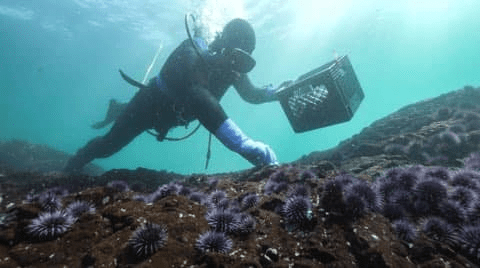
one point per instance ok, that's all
(137, 117)
(102, 147)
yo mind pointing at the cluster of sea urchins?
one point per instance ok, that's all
(224, 216)
(55, 220)
(441, 203)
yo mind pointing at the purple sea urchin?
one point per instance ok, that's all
(299, 190)
(397, 180)
(466, 178)
(405, 230)
(274, 187)
(212, 241)
(234, 207)
(217, 196)
(385, 188)
(276, 183)
(147, 239)
(77, 208)
(307, 174)
(279, 176)
(250, 201)
(452, 212)
(402, 198)
(422, 208)
(431, 191)
(50, 225)
(473, 213)
(297, 210)
(393, 211)
(407, 179)
(49, 201)
(198, 197)
(222, 220)
(118, 185)
(355, 205)
(222, 204)
(246, 224)
(469, 240)
(184, 190)
(212, 181)
(463, 195)
(332, 197)
(438, 229)
(163, 191)
(363, 190)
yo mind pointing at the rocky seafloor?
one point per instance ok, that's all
(404, 192)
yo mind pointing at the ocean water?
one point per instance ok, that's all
(59, 64)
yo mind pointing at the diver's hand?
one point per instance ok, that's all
(257, 153)
(272, 91)
(284, 84)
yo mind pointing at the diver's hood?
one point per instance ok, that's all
(234, 59)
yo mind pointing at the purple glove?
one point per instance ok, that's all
(257, 153)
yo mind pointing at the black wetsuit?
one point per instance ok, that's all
(184, 90)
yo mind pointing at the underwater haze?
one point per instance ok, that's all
(59, 64)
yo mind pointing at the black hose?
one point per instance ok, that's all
(193, 42)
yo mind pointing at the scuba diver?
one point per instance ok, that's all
(189, 86)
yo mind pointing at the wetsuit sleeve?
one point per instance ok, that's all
(251, 94)
(206, 108)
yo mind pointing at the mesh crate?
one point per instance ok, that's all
(325, 96)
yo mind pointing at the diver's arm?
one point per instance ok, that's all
(212, 116)
(206, 108)
(252, 94)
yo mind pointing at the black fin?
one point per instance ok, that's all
(114, 110)
(131, 81)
